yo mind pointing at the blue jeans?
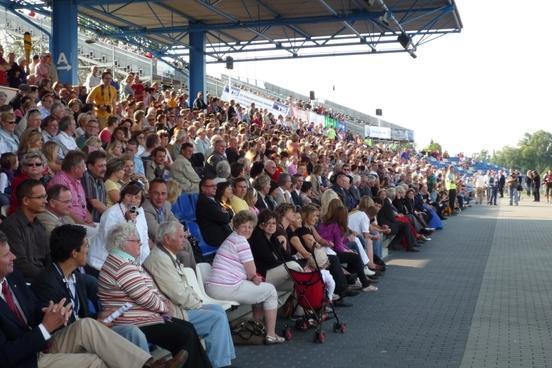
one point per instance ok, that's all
(513, 196)
(211, 323)
(377, 245)
(134, 335)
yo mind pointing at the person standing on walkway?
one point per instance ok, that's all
(536, 185)
(512, 183)
(493, 188)
(450, 183)
(529, 182)
(548, 184)
(501, 183)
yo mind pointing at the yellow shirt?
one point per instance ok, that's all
(238, 204)
(102, 96)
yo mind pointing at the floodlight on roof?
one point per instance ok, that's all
(384, 19)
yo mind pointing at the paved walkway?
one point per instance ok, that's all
(478, 295)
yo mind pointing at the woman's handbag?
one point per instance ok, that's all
(248, 332)
(321, 257)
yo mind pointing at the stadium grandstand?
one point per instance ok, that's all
(180, 209)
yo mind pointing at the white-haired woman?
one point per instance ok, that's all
(234, 276)
(123, 282)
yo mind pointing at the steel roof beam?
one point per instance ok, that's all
(337, 43)
(111, 2)
(122, 33)
(278, 15)
(191, 18)
(237, 24)
(368, 52)
(232, 19)
(346, 23)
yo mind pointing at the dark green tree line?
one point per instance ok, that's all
(534, 151)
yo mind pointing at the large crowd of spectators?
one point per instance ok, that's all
(88, 177)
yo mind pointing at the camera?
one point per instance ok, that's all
(133, 209)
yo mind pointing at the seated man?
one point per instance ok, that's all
(239, 188)
(26, 332)
(26, 233)
(182, 170)
(69, 250)
(57, 210)
(212, 218)
(158, 211)
(209, 320)
(70, 175)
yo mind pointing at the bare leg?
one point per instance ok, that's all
(270, 321)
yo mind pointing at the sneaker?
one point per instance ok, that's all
(368, 272)
(370, 288)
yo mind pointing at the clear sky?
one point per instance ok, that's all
(480, 89)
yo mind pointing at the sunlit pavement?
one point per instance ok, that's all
(478, 295)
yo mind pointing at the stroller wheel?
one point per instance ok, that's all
(288, 333)
(320, 337)
(340, 327)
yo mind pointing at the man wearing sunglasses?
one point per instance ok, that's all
(9, 142)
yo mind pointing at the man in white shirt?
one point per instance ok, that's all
(480, 187)
(66, 136)
(92, 79)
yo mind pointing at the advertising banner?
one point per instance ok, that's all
(377, 132)
(245, 99)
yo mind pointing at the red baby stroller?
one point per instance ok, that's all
(310, 294)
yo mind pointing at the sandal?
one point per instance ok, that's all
(270, 340)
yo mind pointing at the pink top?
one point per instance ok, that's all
(332, 232)
(228, 267)
(78, 201)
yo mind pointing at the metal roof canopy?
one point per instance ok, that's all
(249, 30)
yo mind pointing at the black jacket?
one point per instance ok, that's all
(386, 216)
(50, 286)
(267, 253)
(19, 344)
(213, 222)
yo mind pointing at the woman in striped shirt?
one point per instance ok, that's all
(234, 276)
(122, 280)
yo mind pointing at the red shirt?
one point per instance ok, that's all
(139, 91)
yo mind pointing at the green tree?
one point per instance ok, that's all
(534, 152)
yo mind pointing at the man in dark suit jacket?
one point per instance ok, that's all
(386, 216)
(213, 220)
(25, 331)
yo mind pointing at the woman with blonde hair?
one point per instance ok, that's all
(325, 200)
(174, 190)
(31, 140)
(50, 150)
(114, 174)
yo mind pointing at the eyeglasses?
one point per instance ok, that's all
(34, 164)
(10, 122)
(65, 202)
(270, 223)
(137, 241)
